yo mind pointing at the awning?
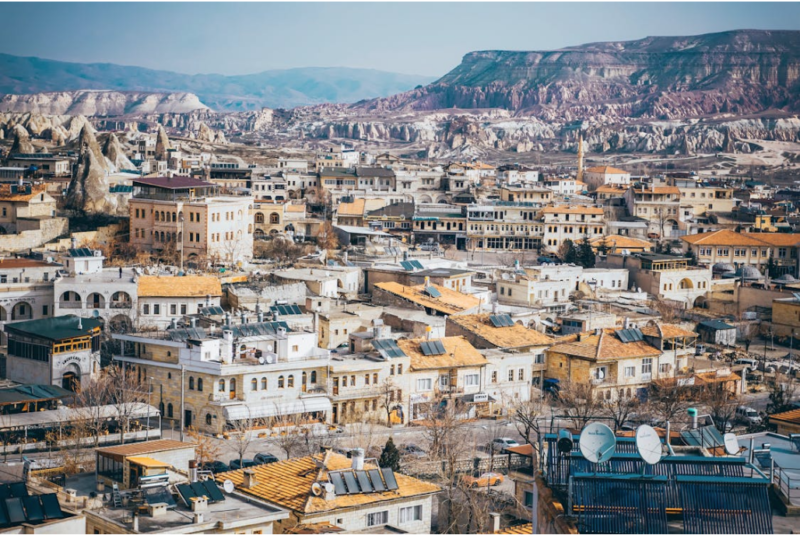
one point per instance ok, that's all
(271, 409)
(148, 462)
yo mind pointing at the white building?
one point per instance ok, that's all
(595, 177)
(26, 290)
(162, 299)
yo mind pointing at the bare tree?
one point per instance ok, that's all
(666, 398)
(364, 432)
(289, 436)
(90, 401)
(387, 398)
(526, 415)
(580, 402)
(206, 448)
(619, 408)
(327, 238)
(669, 310)
(126, 390)
(721, 403)
(241, 437)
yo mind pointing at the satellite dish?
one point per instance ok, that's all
(262, 360)
(316, 489)
(648, 444)
(597, 442)
(731, 444)
(270, 359)
(96, 313)
(564, 443)
(228, 486)
(329, 487)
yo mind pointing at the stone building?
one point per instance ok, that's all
(27, 290)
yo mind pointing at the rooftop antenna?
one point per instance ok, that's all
(648, 444)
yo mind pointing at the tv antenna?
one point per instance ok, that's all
(597, 443)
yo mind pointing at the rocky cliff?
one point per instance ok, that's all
(88, 191)
(100, 103)
(737, 72)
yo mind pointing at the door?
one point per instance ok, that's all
(187, 418)
(335, 414)
(335, 386)
(303, 381)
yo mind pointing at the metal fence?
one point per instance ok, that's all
(788, 482)
(501, 463)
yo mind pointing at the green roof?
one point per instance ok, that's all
(58, 328)
(29, 393)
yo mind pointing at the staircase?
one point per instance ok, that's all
(116, 499)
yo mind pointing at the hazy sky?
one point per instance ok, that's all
(413, 38)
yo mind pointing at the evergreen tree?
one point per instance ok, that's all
(602, 247)
(586, 255)
(568, 253)
(390, 457)
(692, 258)
(667, 249)
(772, 268)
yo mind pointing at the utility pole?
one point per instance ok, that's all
(181, 219)
(183, 388)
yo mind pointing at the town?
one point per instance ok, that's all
(352, 341)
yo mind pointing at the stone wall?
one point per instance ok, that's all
(49, 230)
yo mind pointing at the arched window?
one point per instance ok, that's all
(274, 218)
(290, 382)
(314, 376)
(169, 410)
(174, 217)
(199, 384)
(208, 419)
(191, 383)
(280, 381)
(254, 384)
(263, 383)
(259, 217)
(161, 408)
(233, 385)
(222, 385)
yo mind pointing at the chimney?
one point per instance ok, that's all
(427, 281)
(198, 518)
(227, 319)
(428, 331)
(627, 323)
(193, 322)
(74, 242)
(193, 471)
(250, 479)
(243, 317)
(226, 349)
(495, 518)
(199, 504)
(281, 333)
(80, 323)
(330, 493)
(174, 323)
(494, 307)
(358, 459)
(405, 256)
(260, 317)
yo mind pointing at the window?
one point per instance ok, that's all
(510, 375)
(366, 378)
(378, 519)
(494, 377)
(528, 499)
(222, 385)
(146, 309)
(344, 380)
(444, 381)
(521, 374)
(191, 383)
(263, 383)
(253, 384)
(183, 310)
(295, 348)
(630, 371)
(424, 385)
(539, 358)
(374, 378)
(156, 309)
(410, 514)
(647, 366)
(313, 376)
(663, 368)
(280, 381)
(471, 379)
(199, 385)
(169, 410)
(208, 419)
(399, 369)
(45, 310)
(391, 369)
(173, 310)
(290, 381)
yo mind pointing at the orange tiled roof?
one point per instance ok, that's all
(663, 190)
(458, 352)
(188, 286)
(351, 208)
(514, 336)
(7, 196)
(288, 484)
(606, 170)
(295, 207)
(144, 448)
(667, 331)
(789, 417)
(450, 302)
(744, 239)
(313, 529)
(606, 346)
(608, 188)
(521, 529)
(621, 242)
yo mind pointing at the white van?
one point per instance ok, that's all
(750, 364)
(748, 415)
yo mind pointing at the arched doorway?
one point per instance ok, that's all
(22, 311)
(71, 379)
(686, 284)
(95, 300)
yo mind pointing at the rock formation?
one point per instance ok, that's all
(204, 133)
(22, 141)
(162, 144)
(112, 150)
(88, 190)
(101, 103)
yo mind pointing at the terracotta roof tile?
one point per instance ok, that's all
(351, 208)
(789, 417)
(514, 336)
(450, 302)
(607, 170)
(144, 448)
(458, 352)
(606, 346)
(188, 286)
(667, 331)
(288, 484)
(731, 238)
(622, 242)
(521, 529)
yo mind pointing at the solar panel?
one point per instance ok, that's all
(213, 490)
(199, 489)
(377, 482)
(438, 348)
(52, 509)
(338, 483)
(3, 516)
(19, 490)
(16, 514)
(350, 480)
(33, 508)
(5, 492)
(388, 348)
(388, 476)
(407, 265)
(501, 320)
(186, 493)
(159, 495)
(630, 335)
(433, 292)
(363, 481)
(416, 264)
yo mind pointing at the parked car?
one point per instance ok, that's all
(246, 463)
(551, 386)
(748, 415)
(412, 450)
(502, 444)
(489, 479)
(214, 466)
(653, 235)
(265, 458)
(750, 364)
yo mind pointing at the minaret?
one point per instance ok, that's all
(580, 157)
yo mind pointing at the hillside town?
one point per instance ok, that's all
(351, 341)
